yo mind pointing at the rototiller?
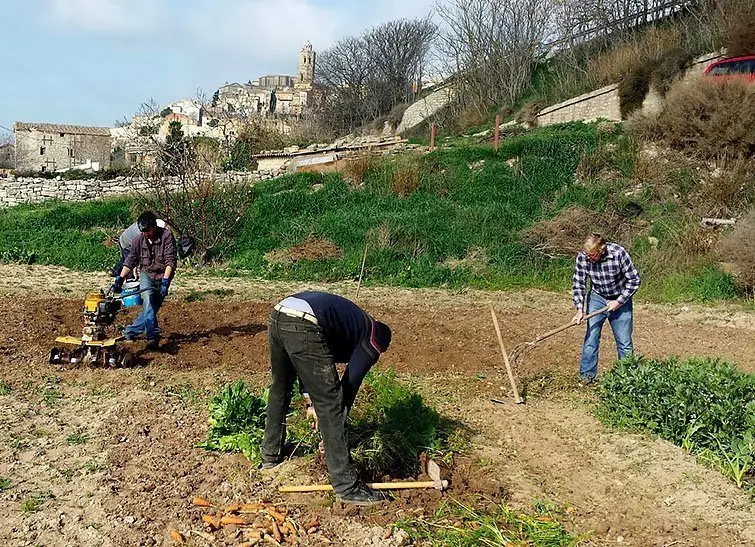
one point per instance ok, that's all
(98, 344)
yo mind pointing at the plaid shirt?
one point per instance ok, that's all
(612, 277)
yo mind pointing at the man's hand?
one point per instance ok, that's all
(164, 287)
(578, 317)
(117, 285)
(312, 415)
(613, 305)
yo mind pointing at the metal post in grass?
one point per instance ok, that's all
(432, 137)
(497, 132)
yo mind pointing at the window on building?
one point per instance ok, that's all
(44, 168)
(70, 152)
(62, 134)
(42, 150)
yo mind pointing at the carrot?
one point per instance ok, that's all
(277, 532)
(230, 519)
(271, 539)
(201, 502)
(251, 507)
(177, 537)
(276, 515)
(212, 521)
(233, 508)
(314, 523)
(292, 528)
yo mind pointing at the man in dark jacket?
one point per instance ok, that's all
(154, 250)
(308, 334)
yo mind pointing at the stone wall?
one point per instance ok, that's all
(16, 190)
(604, 102)
(425, 108)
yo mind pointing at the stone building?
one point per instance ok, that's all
(44, 147)
(273, 94)
(7, 156)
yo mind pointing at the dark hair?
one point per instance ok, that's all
(383, 335)
(146, 221)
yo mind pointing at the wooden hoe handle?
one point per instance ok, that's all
(373, 485)
(570, 325)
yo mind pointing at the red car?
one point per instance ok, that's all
(737, 67)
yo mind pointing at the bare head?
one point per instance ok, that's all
(594, 247)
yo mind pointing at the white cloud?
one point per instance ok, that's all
(260, 29)
(105, 16)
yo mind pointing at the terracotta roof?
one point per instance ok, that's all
(62, 128)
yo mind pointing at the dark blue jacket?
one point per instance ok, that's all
(352, 336)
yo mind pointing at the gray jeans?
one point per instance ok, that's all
(298, 347)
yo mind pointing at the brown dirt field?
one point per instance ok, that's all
(108, 455)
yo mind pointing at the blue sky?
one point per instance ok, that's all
(92, 62)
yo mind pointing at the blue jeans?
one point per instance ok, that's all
(621, 325)
(146, 321)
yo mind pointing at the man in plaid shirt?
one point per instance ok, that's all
(613, 282)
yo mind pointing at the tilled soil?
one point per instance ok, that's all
(108, 457)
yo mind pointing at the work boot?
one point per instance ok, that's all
(153, 344)
(362, 495)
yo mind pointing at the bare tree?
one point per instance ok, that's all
(366, 76)
(492, 46)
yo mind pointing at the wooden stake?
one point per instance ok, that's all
(361, 273)
(517, 398)
(432, 137)
(497, 132)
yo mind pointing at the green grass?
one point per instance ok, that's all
(459, 223)
(77, 438)
(5, 388)
(462, 525)
(34, 501)
(703, 405)
(5, 483)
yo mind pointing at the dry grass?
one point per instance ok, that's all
(355, 170)
(564, 234)
(406, 178)
(709, 117)
(739, 247)
(528, 114)
(634, 87)
(313, 248)
(596, 165)
(477, 260)
(611, 66)
(729, 190)
(740, 39)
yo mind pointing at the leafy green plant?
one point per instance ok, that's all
(462, 525)
(5, 388)
(703, 405)
(5, 483)
(391, 425)
(237, 421)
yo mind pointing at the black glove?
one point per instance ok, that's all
(164, 287)
(117, 285)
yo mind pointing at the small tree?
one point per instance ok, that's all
(177, 153)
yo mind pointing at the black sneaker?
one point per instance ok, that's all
(362, 495)
(268, 466)
(153, 344)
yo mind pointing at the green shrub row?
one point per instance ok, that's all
(703, 405)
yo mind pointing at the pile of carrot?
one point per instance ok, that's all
(256, 522)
